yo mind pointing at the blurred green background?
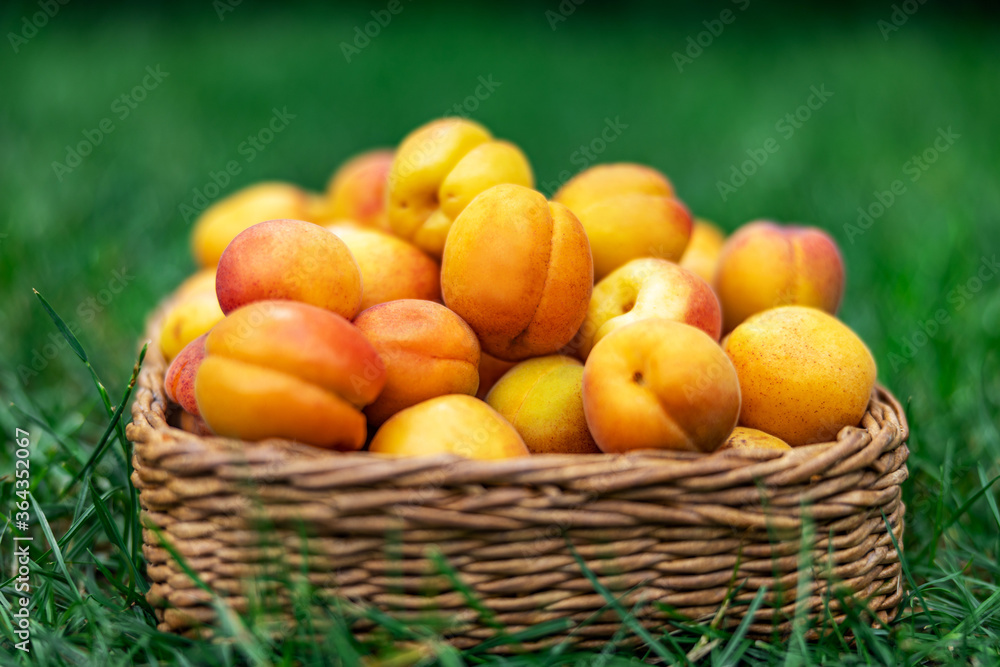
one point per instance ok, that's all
(904, 127)
(560, 73)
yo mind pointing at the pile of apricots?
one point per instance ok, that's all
(431, 301)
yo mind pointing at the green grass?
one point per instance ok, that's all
(119, 211)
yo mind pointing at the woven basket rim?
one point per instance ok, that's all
(883, 425)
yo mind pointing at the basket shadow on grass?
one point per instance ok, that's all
(322, 625)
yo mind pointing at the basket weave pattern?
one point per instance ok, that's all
(675, 532)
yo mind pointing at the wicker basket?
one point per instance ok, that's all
(671, 533)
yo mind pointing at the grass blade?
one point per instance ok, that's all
(978, 617)
(67, 446)
(81, 353)
(906, 572)
(122, 589)
(70, 533)
(970, 501)
(627, 618)
(180, 560)
(113, 425)
(534, 632)
(115, 536)
(43, 523)
(63, 329)
(445, 568)
(733, 651)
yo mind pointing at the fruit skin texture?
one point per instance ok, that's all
(222, 221)
(289, 259)
(452, 424)
(750, 438)
(491, 370)
(195, 310)
(659, 384)
(629, 211)
(645, 288)
(391, 268)
(178, 381)
(357, 190)
(517, 268)
(285, 369)
(702, 254)
(426, 349)
(542, 399)
(764, 265)
(804, 374)
(439, 168)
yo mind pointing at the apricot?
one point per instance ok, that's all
(222, 221)
(286, 369)
(645, 288)
(357, 190)
(659, 384)
(701, 257)
(629, 211)
(202, 280)
(438, 169)
(426, 349)
(178, 381)
(391, 269)
(289, 259)
(805, 375)
(192, 313)
(316, 208)
(764, 265)
(542, 398)
(453, 424)
(193, 424)
(517, 268)
(750, 438)
(491, 369)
